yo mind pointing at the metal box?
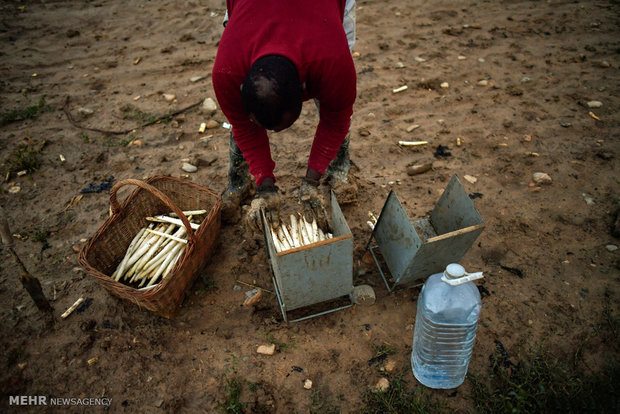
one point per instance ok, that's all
(414, 250)
(316, 273)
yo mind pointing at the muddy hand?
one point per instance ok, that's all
(266, 199)
(312, 203)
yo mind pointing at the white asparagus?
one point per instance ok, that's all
(321, 235)
(166, 219)
(168, 244)
(189, 213)
(371, 225)
(173, 262)
(130, 249)
(274, 238)
(171, 255)
(411, 143)
(72, 308)
(128, 255)
(151, 252)
(168, 236)
(302, 230)
(308, 227)
(282, 239)
(165, 245)
(315, 230)
(372, 217)
(288, 236)
(146, 245)
(294, 232)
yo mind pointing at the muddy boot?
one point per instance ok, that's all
(338, 175)
(240, 184)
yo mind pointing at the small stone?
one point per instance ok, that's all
(445, 85)
(15, 189)
(187, 167)
(470, 178)
(390, 365)
(565, 124)
(541, 178)
(252, 297)
(483, 82)
(364, 132)
(604, 64)
(419, 59)
(209, 105)
(400, 65)
(266, 349)
(169, 97)
(307, 384)
(481, 60)
(363, 295)
(589, 200)
(236, 288)
(461, 57)
(195, 79)
(85, 111)
(595, 104)
(412, 127)
(419, 168)
(382, 385)
(611, 247)
(21, 366)
(158, 403)
(212, 123)
(530, 322)
(526, 79)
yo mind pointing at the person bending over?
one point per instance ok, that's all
(273, 56)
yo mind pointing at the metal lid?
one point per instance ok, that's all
(455, 271)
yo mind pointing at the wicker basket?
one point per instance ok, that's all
(158, 195)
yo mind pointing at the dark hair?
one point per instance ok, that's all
(270, 89)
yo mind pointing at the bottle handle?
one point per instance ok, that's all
(464, 279)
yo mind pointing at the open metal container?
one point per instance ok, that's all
(418, 249)
(315, 274)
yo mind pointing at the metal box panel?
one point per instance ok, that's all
(314, 273)
(414, 250)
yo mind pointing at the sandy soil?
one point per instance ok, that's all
(518, 79)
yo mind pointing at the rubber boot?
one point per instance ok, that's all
(338, 175)
(240, 184)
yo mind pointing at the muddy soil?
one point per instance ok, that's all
(500, 90)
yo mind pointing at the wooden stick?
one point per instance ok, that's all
(30, 283)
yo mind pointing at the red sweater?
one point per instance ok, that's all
(310, 34)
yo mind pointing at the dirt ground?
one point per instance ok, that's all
(500, 90)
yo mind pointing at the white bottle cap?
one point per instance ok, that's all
(454, 271)
(455, 275)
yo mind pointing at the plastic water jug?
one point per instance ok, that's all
(445, 327)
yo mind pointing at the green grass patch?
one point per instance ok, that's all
(233, 404)
(25, 158)
(540, 383)
(322, 404)
(141, 118)
(23, 113)
(279, 345)
(398, 400)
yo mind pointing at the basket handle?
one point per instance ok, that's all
(130, 181)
